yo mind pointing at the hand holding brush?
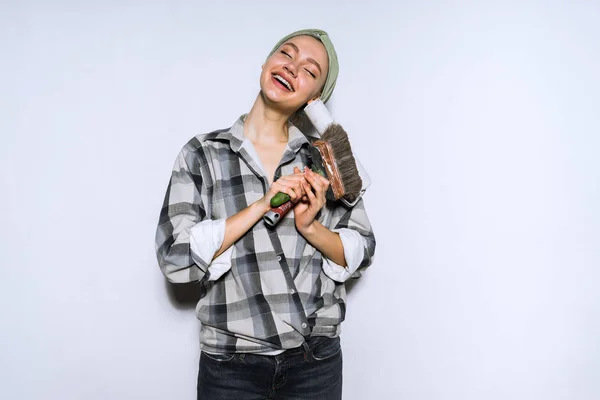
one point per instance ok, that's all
(305, 211)
(332, 158)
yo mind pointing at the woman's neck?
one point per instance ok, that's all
(265, 125)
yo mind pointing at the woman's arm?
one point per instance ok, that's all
(320, 237)
(352, 222)
(326, 241)
(237, 225)
(182, 246)
(183, 208)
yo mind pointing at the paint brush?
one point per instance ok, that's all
(332, 158)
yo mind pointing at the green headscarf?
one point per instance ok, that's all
(334, 67)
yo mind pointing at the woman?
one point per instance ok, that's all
(272, 299)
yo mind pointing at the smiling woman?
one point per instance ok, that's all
(300, 67)
(272, 299)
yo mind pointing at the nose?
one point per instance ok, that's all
(291, 68)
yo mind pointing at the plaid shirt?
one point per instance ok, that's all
(267, 301)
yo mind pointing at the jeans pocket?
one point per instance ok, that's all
(221, 358)
(326, 348)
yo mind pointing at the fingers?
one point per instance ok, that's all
(310, 196)
(315, 188)
(300, 186)
(294, 190)
(319, 183)
(291, 185)
(297, 176)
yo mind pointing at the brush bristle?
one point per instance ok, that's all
(337, 138)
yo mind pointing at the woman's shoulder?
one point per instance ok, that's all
(201, 148)
(204, 140)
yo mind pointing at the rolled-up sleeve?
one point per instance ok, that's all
(358, 240)
(181, 221)
(206, 238)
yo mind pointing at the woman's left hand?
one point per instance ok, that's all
(306, 210)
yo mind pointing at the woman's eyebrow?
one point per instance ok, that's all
(292, 45)
(316, 63)
(308, 59)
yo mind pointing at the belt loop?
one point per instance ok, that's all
(307, 351)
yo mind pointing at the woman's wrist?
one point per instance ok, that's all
(326, 241)
(262, 206)
(308, 230)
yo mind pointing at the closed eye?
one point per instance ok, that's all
(286, 54)
(311, 74)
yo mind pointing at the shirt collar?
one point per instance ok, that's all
(235, 136)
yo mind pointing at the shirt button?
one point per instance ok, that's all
(278, 258)
(292, 291)
(304, 325)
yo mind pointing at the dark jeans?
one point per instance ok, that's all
(312, 372)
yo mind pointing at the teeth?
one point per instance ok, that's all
(286, 83)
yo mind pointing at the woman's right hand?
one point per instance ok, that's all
(292, 185)
(238, 224)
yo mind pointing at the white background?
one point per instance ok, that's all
(479, 122)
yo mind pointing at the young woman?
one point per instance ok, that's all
(272, 299)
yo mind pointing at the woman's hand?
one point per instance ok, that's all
(292, 185)
(305, 212)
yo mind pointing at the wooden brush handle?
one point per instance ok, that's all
(332, 171)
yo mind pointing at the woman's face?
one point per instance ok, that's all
(295, 73)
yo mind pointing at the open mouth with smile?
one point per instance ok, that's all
(282, 83)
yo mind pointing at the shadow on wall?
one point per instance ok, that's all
(350, 283)
(183, 296)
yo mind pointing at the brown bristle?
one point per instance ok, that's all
(337, 138)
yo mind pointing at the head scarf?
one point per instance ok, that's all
(334, 67)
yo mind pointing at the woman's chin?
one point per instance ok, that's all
(279, 101)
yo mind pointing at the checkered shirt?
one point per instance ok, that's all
(276, 294)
